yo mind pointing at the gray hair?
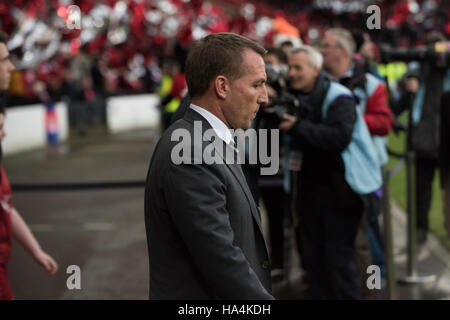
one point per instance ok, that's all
(345, 40)
(315, 58)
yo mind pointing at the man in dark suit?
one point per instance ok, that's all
(203, 227)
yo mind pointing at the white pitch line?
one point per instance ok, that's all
(98, 226)
(42, 227)
(432, 244)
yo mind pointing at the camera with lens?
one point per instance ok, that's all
(438, 53)
(283, 102)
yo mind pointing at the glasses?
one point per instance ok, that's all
(329, 46)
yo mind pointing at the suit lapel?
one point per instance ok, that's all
(239, 175)
(235, 168)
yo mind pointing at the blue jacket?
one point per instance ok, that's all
(362, 168)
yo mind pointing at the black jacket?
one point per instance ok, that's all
(425, 134)
(322, 141)
(204, 232)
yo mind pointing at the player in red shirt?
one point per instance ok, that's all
(11, 223)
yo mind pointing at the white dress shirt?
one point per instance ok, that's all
(219, 127)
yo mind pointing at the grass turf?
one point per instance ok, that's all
(397, 189)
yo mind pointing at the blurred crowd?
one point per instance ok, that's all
(114, 47)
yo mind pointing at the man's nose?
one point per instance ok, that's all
(291, 72)
(11, 66)
(264, 99)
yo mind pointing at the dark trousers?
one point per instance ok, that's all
(326, 234)
(425, 169)
(373, 208)
(275, 201)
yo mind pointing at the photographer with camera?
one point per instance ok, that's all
(274, 196)
(338, 47)
(325, 129)
(423, 89)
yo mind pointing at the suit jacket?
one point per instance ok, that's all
(204, 232)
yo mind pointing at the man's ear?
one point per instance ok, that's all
(316, 71)
(221, 86)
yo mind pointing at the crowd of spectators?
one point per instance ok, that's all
(115, 47)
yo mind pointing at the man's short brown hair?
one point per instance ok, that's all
(3, 37)
(216, 54)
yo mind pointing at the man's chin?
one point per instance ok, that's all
(297, 87)
(245, 126)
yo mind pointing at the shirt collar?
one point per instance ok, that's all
(219, 127)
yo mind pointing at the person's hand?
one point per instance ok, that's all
(412, 85)
(47, 262)
(287, 122)
(398, 126)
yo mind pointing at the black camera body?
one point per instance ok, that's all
(284, 102)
